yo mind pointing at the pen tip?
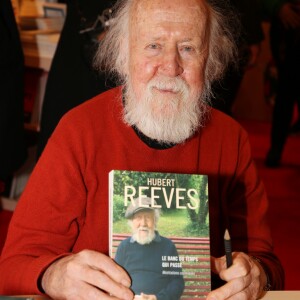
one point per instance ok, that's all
(226, 235)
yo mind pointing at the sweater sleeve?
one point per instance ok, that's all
(248, 214)
(48, 216)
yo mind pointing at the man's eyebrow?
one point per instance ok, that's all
(158, 38)
(161, 38)
(186, 40)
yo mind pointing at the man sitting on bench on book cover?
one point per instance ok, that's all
(167, 53)
(141, 255)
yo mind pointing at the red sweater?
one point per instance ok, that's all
(64, 207)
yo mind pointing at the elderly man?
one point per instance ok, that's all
(166, 52)
(141, 254)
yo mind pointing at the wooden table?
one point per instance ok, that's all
(282, 295)
(272, 295)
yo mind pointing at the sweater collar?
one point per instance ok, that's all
(152, 143)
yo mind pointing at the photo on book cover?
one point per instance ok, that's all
(159, 232)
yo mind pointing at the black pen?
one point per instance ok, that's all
(227, 244)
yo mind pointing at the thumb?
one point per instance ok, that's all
(218, 264)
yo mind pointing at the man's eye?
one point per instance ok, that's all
(187, 49)
(153, 46)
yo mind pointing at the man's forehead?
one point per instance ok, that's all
(169, 10)
(171, 16)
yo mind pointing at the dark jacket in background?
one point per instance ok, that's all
(72, 79)
(12, 142)
(249, 14)
(285, 49)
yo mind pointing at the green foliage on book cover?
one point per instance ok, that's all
(183, 199)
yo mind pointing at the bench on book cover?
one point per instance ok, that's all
(196, 276)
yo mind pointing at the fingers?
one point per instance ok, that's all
(145, 297)
(241, 267)
(83, 290)
(217, 264)
(242, 278)
(228, 292)
(86, 275)
(105, 265)
(101, 281)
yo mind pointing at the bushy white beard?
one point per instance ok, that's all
(143, 240)
(165, 119)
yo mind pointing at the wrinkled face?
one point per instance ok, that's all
(167, 38)
(167, 57)
(143, 226)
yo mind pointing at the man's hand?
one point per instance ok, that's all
(86, 275)
(145, 297)
(245, 278)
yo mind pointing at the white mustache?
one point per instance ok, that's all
(143, 229)
(176, 85)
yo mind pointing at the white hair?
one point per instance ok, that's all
(172, 121)
(186, 113)
(112, 54)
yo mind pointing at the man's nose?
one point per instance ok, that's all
(171, 63)
(144, 221)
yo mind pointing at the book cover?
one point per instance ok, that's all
(159, 232)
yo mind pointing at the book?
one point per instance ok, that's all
(41, 8)
(54, 9)
(43, 24)
(159, 232)
(41, 15)
(40, 24)
(31, 8)
(39, 43)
